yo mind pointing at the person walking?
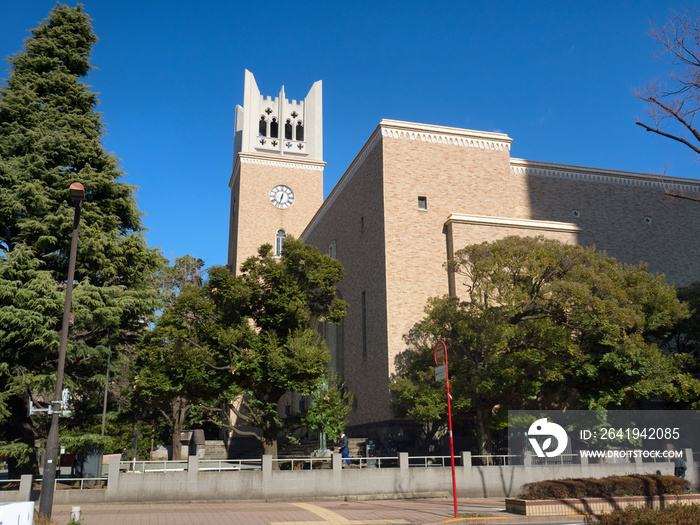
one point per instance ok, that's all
(343, 448)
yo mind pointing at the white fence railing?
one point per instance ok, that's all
(80, 483)
(229, 464)
(376, 462)
(302, 463)
(153, 466)
(433, 461)
(496, 459)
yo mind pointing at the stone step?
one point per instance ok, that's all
(215, 449)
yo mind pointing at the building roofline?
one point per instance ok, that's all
(529, 224)
(412, 131)
(606, 176)
(368, 147)
(499, 141)
(445, 134)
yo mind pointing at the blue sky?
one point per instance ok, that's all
(556, 76)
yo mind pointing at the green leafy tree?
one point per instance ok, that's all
(686, 336)
(173, 373)
(329, 408)
(543, 325)
(262, 334)
(50, 136)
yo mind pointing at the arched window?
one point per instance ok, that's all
(262, 128)
(288, 130)
(274, 128)
(279, 242)
(300, 131)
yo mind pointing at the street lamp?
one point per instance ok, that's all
(77, 193)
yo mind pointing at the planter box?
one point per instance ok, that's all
(563, 507)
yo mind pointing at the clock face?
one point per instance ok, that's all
(281, 197)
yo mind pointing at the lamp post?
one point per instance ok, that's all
(77, 193)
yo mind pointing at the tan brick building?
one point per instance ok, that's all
(416, 193)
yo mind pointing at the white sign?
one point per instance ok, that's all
(440, 373)
(20, 513)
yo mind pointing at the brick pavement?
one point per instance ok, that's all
(380, 512)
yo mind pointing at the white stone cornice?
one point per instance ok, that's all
(503, 222)
(602, 176)
(445, 135)
(299, 164)
(265, 160)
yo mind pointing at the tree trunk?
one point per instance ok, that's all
(482, 434)
(180, 410)
(20, 430)
(269, 441)
(270, 447)
(136, 439)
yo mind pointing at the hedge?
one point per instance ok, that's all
(610, 487)
(671, 515)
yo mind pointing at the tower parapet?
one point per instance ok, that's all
(277, 126)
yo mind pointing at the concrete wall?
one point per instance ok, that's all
(336, 482)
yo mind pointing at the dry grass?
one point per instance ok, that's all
(43, 519)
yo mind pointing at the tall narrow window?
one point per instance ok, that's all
(332, 250)
(422, 203)
(262, 127)
(364, 324)
(300, 131)
(288, 130)
(279, 242)
(274, 129)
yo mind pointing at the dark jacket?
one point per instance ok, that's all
(343, 442)
(680, 468)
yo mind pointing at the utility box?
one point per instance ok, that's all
(89, 465)
(17, 513)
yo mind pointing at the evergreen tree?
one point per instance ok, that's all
(50, 136)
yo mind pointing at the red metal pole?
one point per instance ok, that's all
(449, 418)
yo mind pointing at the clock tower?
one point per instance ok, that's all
(277, 180)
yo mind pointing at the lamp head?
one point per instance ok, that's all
(77, 192)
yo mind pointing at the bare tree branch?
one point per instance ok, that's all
(681, 195)
(674, 103)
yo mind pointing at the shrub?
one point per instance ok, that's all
(610, 487)
(671, 515)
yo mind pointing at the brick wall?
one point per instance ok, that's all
(356, 223)
(398, 259)
(256, 221)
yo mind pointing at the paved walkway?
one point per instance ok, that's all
(387, 512)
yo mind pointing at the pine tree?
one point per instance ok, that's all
(50, 136)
